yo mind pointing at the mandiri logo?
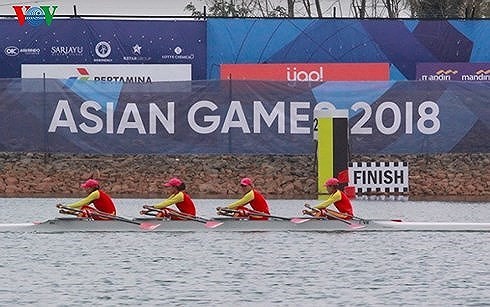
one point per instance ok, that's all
(34, 15)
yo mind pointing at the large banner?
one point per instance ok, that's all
(84, 41)
(402, 43)
(240, 117)
(453, 72)
(310, 72)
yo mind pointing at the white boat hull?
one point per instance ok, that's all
(229, 224)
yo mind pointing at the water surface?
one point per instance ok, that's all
(248, 269)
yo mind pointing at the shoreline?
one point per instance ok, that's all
(437, 177)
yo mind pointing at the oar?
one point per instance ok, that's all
(302, 220)
(363, 220)
(62, 211)
(258, 213)
(207, 223)
(144, 225)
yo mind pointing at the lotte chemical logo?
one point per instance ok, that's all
(34, 15)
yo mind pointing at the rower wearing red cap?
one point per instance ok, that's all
(251, 196)
(98, 198)
(336, 197)
(178, 197)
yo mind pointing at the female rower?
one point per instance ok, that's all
(251, 196)
(337, 197)
(178, 197)
(102, 202)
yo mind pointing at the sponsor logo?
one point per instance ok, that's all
(464, 71)
(66, 50)
(35, 16)
(84, 75)
(15, 51)
(306, 72)
(11, 51)
(178, 54)
(103, 50)
(292, 74)
(479, 75)
(441, 74)
(136, 54)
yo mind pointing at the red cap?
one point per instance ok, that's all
(174, 182)
(246, 181)
(331, 182)
(91, 183)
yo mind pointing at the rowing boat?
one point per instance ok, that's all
(74, 224)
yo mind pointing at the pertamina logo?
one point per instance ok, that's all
(441, 74)
(34, 15)
(84, 75)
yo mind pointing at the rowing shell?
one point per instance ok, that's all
(69, 224)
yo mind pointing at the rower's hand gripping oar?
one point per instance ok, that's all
(302, 220)
(143, 226)
(207, 223)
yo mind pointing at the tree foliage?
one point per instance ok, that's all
(358, 8)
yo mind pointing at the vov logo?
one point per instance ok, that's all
(34, 15)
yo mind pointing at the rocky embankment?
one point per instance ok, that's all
(446, 177)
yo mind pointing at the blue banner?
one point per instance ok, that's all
(403, 43)
(240, 117)
(85, 41)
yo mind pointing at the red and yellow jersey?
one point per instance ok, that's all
(255, 199)
(101, 201)
(181, 200)
(340, 201)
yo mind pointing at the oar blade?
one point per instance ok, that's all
(213, 224)
(298, 220)
(355, 226)
(148, 226)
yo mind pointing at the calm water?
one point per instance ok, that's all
(248, 269)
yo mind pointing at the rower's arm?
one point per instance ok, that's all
(173, 199)
(332, 198)
(248, 197)
(87, 200)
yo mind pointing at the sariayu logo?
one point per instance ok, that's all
(446, 72)
(35, 15)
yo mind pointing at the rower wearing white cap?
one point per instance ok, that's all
(251, 196)
(336, 197)
(97, 197)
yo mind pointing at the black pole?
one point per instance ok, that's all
(74, 10)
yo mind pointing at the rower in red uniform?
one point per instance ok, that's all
(337, 197)
(101, 201)
(178, 197)
(251, 196)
